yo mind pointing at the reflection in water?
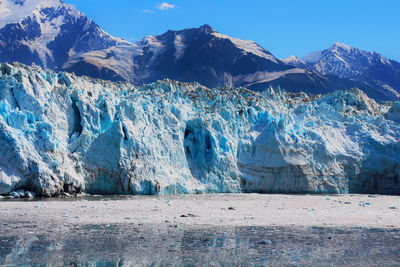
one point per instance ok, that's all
(132, 245)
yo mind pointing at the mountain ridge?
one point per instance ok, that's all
(56, 36)
(187, 48)
(349, 62)
(206, 56)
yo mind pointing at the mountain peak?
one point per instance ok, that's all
(207, 28)
(341, 45)
(353, 63)
(334, 49)
(33, 32)
(14, 11)
(294, 61)
(291, 58)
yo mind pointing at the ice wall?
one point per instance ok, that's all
(60, 133)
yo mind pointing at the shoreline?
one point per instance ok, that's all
(367, 211)
(202, 230)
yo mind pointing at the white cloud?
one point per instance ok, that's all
(166, 6)
(148, 11)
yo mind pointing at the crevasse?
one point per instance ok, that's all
(62, 133)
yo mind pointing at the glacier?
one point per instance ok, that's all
(60, 133)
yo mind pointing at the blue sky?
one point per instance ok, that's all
(284, 27)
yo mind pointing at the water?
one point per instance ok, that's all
(171, 245)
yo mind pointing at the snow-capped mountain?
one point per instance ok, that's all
(47, 32)
(198, 54)
(353, 63)
(206, 56)
(295, 61)
(55, 35)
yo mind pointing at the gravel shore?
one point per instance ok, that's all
(372, 211)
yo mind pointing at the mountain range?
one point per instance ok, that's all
(349, 62)
(56, 36)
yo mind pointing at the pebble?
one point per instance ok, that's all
(265, 242)
(188, 215)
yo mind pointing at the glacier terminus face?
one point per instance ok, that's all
(60, 133)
